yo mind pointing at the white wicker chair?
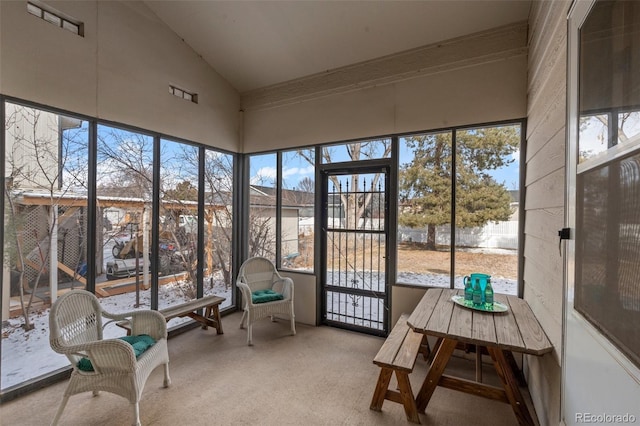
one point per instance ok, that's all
(258, 273)
(75, 323)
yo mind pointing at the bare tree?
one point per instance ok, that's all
(356, 151)
(218, 181)
(307, 185)
(127, 162)
(596, 128)
(45, 155)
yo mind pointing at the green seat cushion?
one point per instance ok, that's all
(262, 296)
(139, 343)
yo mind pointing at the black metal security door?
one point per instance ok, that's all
(355, 293)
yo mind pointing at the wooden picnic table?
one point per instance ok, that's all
(516, 330)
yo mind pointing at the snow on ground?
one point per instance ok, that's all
(500, 285)
(27, 355)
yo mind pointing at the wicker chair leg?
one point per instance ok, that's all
(250, 334)
(136, 414)
(63, 404)
(167, 379)
(242, 321)
(96, 393)
(293, 325)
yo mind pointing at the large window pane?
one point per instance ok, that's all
(46, 227)
(424, 209)
(486, 201)
(178, 233)
(262, 209)
(125, 193)
(218, 181)
(297, 210)
(45, 232)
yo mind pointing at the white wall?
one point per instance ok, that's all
(484, 91)
(488, 92)
(404, 300)
(304, 300)
(119, 71)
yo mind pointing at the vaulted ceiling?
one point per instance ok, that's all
(256, 44)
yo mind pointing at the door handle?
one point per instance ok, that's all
(563, 234)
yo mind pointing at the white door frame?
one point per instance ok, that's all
(597, 379)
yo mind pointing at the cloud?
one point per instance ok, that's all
(268, 174)
(297, 171)
(264, 175)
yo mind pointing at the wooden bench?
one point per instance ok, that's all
(398, 354)
(211, 317)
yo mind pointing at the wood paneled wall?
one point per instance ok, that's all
(545, 193)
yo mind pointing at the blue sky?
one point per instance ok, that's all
(295, 168)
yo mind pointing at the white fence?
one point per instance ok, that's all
(493, 235)
(502, 235)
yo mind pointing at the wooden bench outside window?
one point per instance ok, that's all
(398, 354)
(211, 317)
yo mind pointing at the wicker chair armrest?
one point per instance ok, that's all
(105, 355)
(246, 292)
(146, 321)
(284, 285)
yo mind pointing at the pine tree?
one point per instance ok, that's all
(426, 182)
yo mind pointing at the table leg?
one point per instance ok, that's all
(445, 349)
(434, 350)
(510, 383)
(425, 350)
(515, 368)
(478, 363)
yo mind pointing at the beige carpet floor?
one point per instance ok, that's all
(321, 376)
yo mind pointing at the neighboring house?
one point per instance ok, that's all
(295, 204)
